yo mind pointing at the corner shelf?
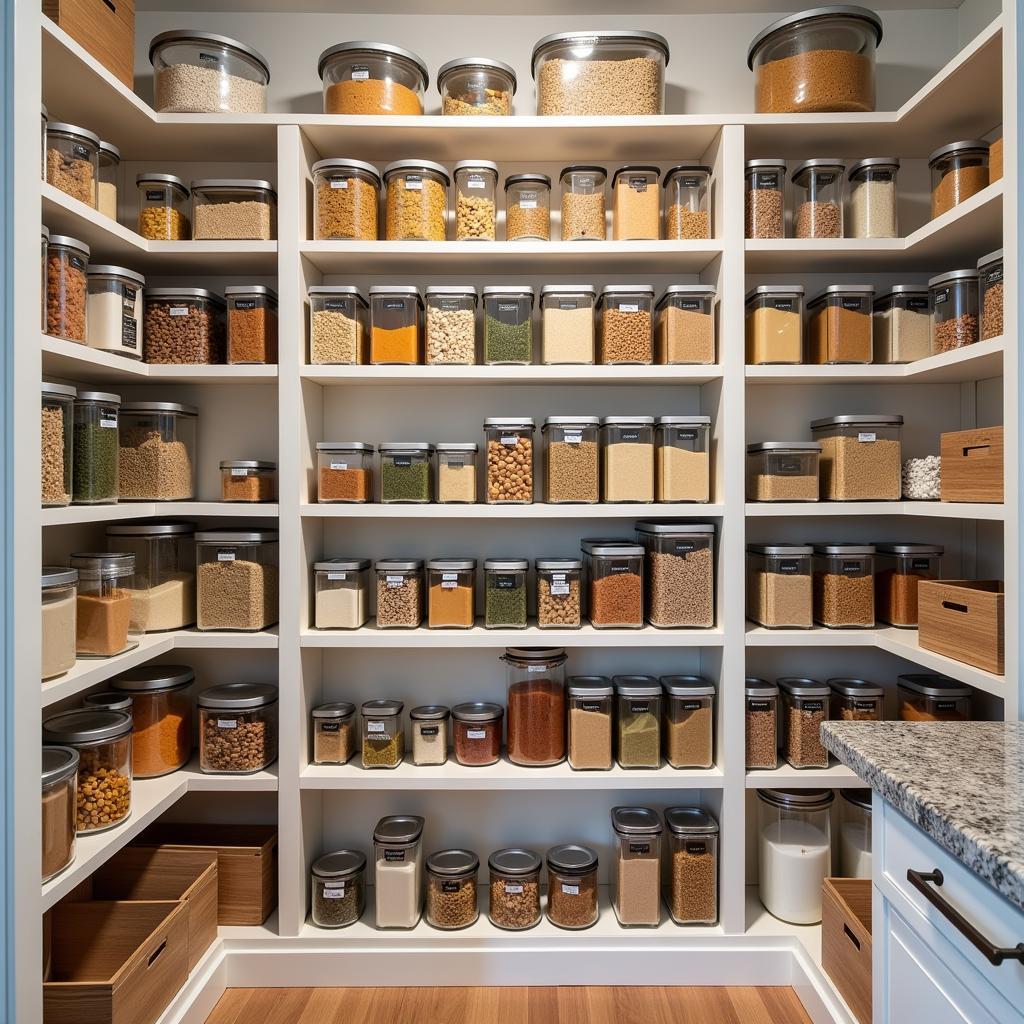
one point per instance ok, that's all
(75, 514)
(537, 510)
(420, 376)
(835, 776)
(914, 509)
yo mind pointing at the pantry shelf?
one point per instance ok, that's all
(418, 376)
(913, 509)
(73, 514)
(538, 510)
(835, 776)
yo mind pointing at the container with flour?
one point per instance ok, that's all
(398, 857)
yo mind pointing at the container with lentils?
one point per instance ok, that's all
(572, 886)
(164, 206)
(60, 775)
(344, 471)
(514, 889)
(338, 888)
(405, 472)
(680, 573)
(347, 194)
(508, 324)
(399, 592)
(451, 889)
(761, 718)
(383, 742)
(184, 325)
(476, 726)
(237, 728)
(161, 710)
(591, 714)
(429, 725)
(692, 851)
(536, 704)
(236, 579)
(765, 198)
(625, 324)
(954, 300)
(844, 586)
(856, 700)
(417, 201)
(248, 480)
(67, 287)
(559, 593)
(806, 706)
(334, 733)
(505, 593)
(94, 472)
(614, 570)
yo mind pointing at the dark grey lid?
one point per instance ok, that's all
(339, 709)
(477, 165)
(568, 289)
(583, 169)
(589, 686)
(636, 821)
(858, 419)
(475, 63)
(400, 290)
(416, 166)
(398, 830)
(873, 163)
(86, 725)
(506, 564)
(797, 799)
(238, 696)
(101, 565)
(63, 128)
(451, 564)
(340, 864)
(183, 293)
(466, 291)
(58, 576)
(626, 289)
(687, 686)
(70, 243)
(992, 257)
(520, 291)
(336, 289)
(902, 289)
(636, 169)
(159, 178)
(596, 38)
(949, 276)
(235, 290)
(571, 421)
(797, 687)
(856, 688)
(59, 390)
(627, 421)
(791, 290)
(824, 163)
(102, 397)
(858, 797)
(477, 711)
(237, 535)
(841, 289)
(341, 163)
(933, 685)
(59, 764)
(342, 565)
(190, 35)
(794, 550)
(690, 821)
(366, 46)
(150, 678)
(783, 446)
(232, 185)
(430, 713)
(674, 172)
(514, 861)
(398, 564)
(381, 707)
(674, 529)
(528, 179)
(963, 146)
(109, 701)
(175, 407)
(909, 549)
(571, 859)
(844, 549)
(636, 686)
(755, 687)
(453, 863)
(558, 564)
(247, 464)
(680, 290)
(109, 270)
(535, 653)
(344, 446)
(791, 20)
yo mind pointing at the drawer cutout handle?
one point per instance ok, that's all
(994, 954)
(974, 450)
(159, 949)
(954, 607)
(111, 5)
(853, 938)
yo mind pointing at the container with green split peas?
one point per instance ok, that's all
(405, 472)
(383, 733)
(638, 721)
(94, 448)
(508, 324)
(505, 593)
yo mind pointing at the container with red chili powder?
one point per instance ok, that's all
(536, 705)
(477, 729)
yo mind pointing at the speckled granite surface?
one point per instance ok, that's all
(961, 782)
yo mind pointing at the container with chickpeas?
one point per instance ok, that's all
(476, 184)
(509, 460)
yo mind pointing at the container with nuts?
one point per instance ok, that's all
(625, 325)
(184, 325)
(164, 204)
(237, 728)
(509, 460)
(399, 592)
(558, 593)
(476, 183)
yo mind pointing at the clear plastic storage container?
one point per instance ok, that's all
(383, 733)
(165, 206)
(572, 886)
(818, 198)
(476, 210)
(237, 579)
(839, 325)
(451, 593)
(508, 324)
(476, 86)
(761, 724)
(338, 325)
(692, 851)
(341, 593)
(898, 570)
(456, 471)
(855, 834)
(451, 889)
(636, 871)
(536, 705)
(783, 470)
(680, 573)
(933, 698)
(559, 593)
(347, 195)
(396, 314)
(902, 325)
(627, 446)
(338, 882)
(344, 471)
(237, 728)
(106, 182)
(514, 889)
(114, 310)
(614, 573)
(372, 78)
(527, 207)
(250, 480)
(405, 472)
(55, 450)
(184, 325)
(567, 318)
(990, 281)
(687, 202)
(583, 207)
(94, 473)
(67, 288)
(805, 705)
(505, 593)
(774, 324)
(625, 323)
(764, 202)
(873, 211)
(860, 456)
(104, 620)
(72, 161)
(779, 590)
(234, 208)
(157, 451)
(252, 324)
(334, 733)
(954, 302)
(59, 803)
(638, 721)
(429, 724)
(398, 870)
(635, 213)
(682, 458)
(591, 701)
(417, 201)
(844, 586)
(450, 331)
(856, 700)
(571, 465)
(57, 634)
(476, 727)
(509, 460)
(399, 592)
(689, 721)
(685, 325)
(959, 170)
(161, 710)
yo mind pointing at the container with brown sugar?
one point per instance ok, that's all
(614, 571)
(839, 328)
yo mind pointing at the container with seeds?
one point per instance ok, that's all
(508, 324)
(527, 207)
(685, 325)
(67, 288)
(774, 324)
(55, 454)
(682, 462)
(636, 873)
(954, 302)
(236, 581)
(399, 592)
(572, 886)
(338, 889)
(344, 471)
(680, 573)
(334, 733)
(347, 194)
(805, 703)
(429, 724)
(818, 188)
(456, 472)
(765, 198)
(396, 314)
(451, 889)
(94, 472)
(450, 330)
(372, 78)
(383, 734)
(405, 475)
(591, 702)
(761, 718)
(338, 328)
(164, 207)
(627, 444)
(342, 593)
(59, 590)
(536, 705)
(417, 201)
(476, 86)
(59, 801)
(783, 470)
(614, 573)
(567, 318)
(583, 211)
(248, 480)
(237, 728)
(959, 170)
(860, 456)
(505, 593)
(779, 585)
(856, 700)
(252, 324)
(692, 851)
(234, 208)
(625, 333)
(398, 870)
(509, 460)
(184, 325)
(689, 721)
(924, 697)
(476, 728)
(844, 588)
(114, 310)
(898, 570)
(72, 161)
(161, 709)
(571, 459)
(451, 593)
(687, 202)
(514, 889)
(901, 328)
(839, 325)
(105, 619)
(635, 202)
(476, 183)
(873, 198)
(638, 721)
(990, 280)
(559, 595)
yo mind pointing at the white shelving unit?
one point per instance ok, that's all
(280, 412)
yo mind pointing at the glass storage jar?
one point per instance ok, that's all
(627, 459)
(805, 705)
(429, 725)
(59, 801)
(476, 730)
(67, 268)
(344, 472)
(954, 301)
(372, 78)
(456, 471)
(334, 733)
(416, 208)
(527, 207)
(567, 318)
(450, 325)
(844, 587)
(933, 698)
(583, 209)
(860, 457)
(638, 721)
(692, 851)
(106, 180)
(398, 870)
(250, 480)
(614, 571)
(687, 202)
(157, 458)
(508, 324)
(396, 315)
(689, 721)
(451, 593)
(898, 570)
(902, 325)
(514, 902)
(184, 325)
(55, 451)
(761, 724)
(114, 310)
(959, 170)
(612, 72)
(779, 585)
(839, 325)
(57, 635)
(44, 234)
(794, 851)
(338, 883)
(572, 886)
(405, 476)
(536, 705)
(505, 593)
(559, 598)
(636, 875)
(204, 73)
(571, 472)
(161, 710)
(856, 700)
(683, 470)
(625, 321)
(680, 573)
(234, 208)
(72, 161)
(509, 460)
(236, 586)
(783, 470)
(990, 281)
(818, 196)
(873, 198)
(383, 740)
(338, 328)
(103, 741)
(591, 701)
(252, 324)
(399, 592)
(764, 205)
(685, 325)
(476, 210)
(347, 195)
(635, 213)
(45, 118)
(165, 203)
(94, 472)
(476, 86)
(451, 889)
(342, 587)
(816, 61)
(104, 617)
(855, 834)
(237, 728)
(774, 324)
(109, 701)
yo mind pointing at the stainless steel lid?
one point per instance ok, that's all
(249, 289)
(159, 178)
(408, 290)
(690, 821)
(583, 42)
(704, 291)
(683, 421)
(858, 797)
(518, 290)
(797, 799)
(589, 686)
(949, 276)
(70, 243)
(791, 20)
(109, 270)
(451, 564)
(673, 528)
(842, 289)
(341, 163)
(558, 564)
(856, 688)
(514, 861)
(381, 707)
(933, 685)
(909, 549)
(338, 709)
(797, 687)
(237, 535)
(636, 169)
(340, 864)
(398, 564)
(992, 257)
(398, 830)
(475, 64)
(59, 390)
(430, 713)
(783, 446)
(86, 725)
(335, 289)
(534, 654)
(627, 421)
(452, 447)
(963, 147)
(506, 564)
(366, 46)
(464, 290)
(416, 166)
(477, 711)
(509, 422)
(790, 290)
(58, 576)
(858, 419)
(109, 701)
(407, 447)
(247, 464)
(844, 549)
(528, 179)
(189, 35)
(238, 696)
(636, 821)
(342, 565)
(687, 686)
(101, 397)
(821, 163)
(610, 546)
(636, 686)
(232, 184)
(568, 289)
(184, 293)
(476, 165)
(63, 128)
(571, 859)
(59, 764)
(453, 863)
(766, 163)
(102, 565)
(873, 163)
(794, 550)
(150, 678)
(627, 289)
(344, 446)
(755, 687)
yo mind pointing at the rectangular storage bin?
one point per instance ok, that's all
(234, 208)
(972, 465)
(964, 620)
(106, 30)
(860, 457)
(846, 941)
(783, 470)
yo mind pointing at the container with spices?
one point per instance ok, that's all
(399, 592)
(107, 178)
(635, 202)
(685, 325)
(347, 194)
(157, 451)
(59, 801)
(794, 840)
(416, 208)
(902, 326)
(805, 706)
(450, 321)
(816, 61)
(429, 726)
(638, 721)
(396, 314)
(94, 471)
(627, 444)
(234, 208)
(236, 586)
(818, 189)
(248, 480)
(165, 205)
(844, 587)
(237, 728)
(55, 451)
(839, 325)
(873, 207)
(103, 609)
(476, 86)
(990, 281)
(509, 460)
(505, 593)
(612, 72)
(689, 721)
(476, 730)
(114, 310)
(451, 593)
(536, 705)
(567, 317)
(57, 635)
(338, 895)
(527, 207)
(203, 73)
(559, 597)
(451, 889)
(184, 325)
(508, 324)
(405, 476)
(72, 161)
(67, 268)
(164, 589)
(761, 717)
(344, 471)
(572, 886)
(855, 834)
(692, 851)
(103, 741)
(338, 328)
(765, 198)
(625, 324)
(898, 570)
(636, 875)
(774, 324)
(571, 459)
(372, 78)
(456, 471)
(954, 302)
(687, 194)
(614, 571)
(856, 700)
(383, 734)
(583, 210)
(252, 324)
(398, 870)
(860, 457)
(161, 710)
(779, 585)
(334, 733)
(682, 458)
(783, 470)
(680, 573)
(476, 210)
(591, 701)
(933, 698)
(514, 889)
(342, 588)
(959, 170)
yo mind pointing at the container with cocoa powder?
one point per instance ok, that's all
(344, 471)
(60, 776)
(856, 700)
(536, 705)
(614, 572)
(959, 170)
(924, 697)
(161, 717)
(898, 570)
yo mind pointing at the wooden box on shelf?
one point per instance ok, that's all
(972, 465)
(846, 941)
(106, 28)
(115, 963)
(963, 619)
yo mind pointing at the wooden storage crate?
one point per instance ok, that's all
(115, 963)
(972, 465)
(106, 28)
(846, 941)
(246, 864)
(963, 619)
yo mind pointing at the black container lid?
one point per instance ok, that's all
(856, 688)
(933, 685)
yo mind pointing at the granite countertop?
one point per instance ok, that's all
(961, 782)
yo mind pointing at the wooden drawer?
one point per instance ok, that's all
(106, 28)
(972, 465)
(963, 619)
(846, 941)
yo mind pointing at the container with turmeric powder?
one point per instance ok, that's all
(343, 471)
(451, 594)
(161, 717)
(416, 204)
(396, 313)
(372, 78)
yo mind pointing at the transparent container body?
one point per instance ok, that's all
(692, 895)
(395, 326)
(161, 729)
(59, 801)
(45, 240)
(958, 171)
(509, 462)
(774, 326)
(682, 461)
(248, 480)
(165, 207)
(583, 205)
(897, 574)
(450, 327)
(802, 718)
(559, 593)
(761, 727)
(505, 594)
(954, 301)
(476, 88)
(849, 704)
(635, 202)
(405, 473)
(855, 834)
(398, 878)
(844, 590)
(383, 734)
(57, 633)
(591, 730)
(341, 597)
(873, 200)
(627, 459)
(508, 326)
(567, 322)
(689, 729)
(157, 452)
(430, 726)
(536, 720)
(344, 472)
(184, 326)
(252, 326)
(72, 161)
(334, 733)
(242, 210)
(935, 701)
(779, 590)
(679, 575)
(783, 473)
(765, 199)
(528, 208)
(371, 79)
(902, 326)
(56, 448)
(337, 900)
(201, 73)
(67, 287)
(451, 595)
(451, 901)
(686, 203)
(456, 473)
(571, 463)
(475, 202)
(860, 457)
(572, 898)
(416, 205)
(237, 584)
(476, 733)
(514, 903)
(638, 731)
(990, 280)
(43, 123)
(615, 591)
(684, 331)
(104, 625)
(636, 879)
(237, 742)
(839, 328)
(338, 326)
(346, 199)
(114, 311)
(399, 595)
(818, 200)
(625, 326)
(106, 180)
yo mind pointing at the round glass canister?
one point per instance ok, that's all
(855, 833)
(476, 86)
(572, 886)
(57, 636)
(67, 288)
(72, 161)
(106, 181)
(165, 202)
(527, 207)
(361, 77)
(514, 889)
(95, 450)
(59, 800)
(416, 208)
(237, 728)
(476, 183)
(105, 620)
(476, 728)
(109, 701)
(536, 705)
(161, 717)
(347, 194)
(114, 310)
(451, 889)
(55, 450)
(338, 883)
(429, 724)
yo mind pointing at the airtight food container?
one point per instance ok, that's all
(164, 207)
(476, 86)
(114, 310)
(361, 77)
(346, 198)
(72, 161)
(234, 208)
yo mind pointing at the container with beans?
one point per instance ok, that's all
(636, 869)
(347, 194)
(72, 161)
(59, 803)
(527, 207)
(251, 480)
(635, 213)
(779, 585)
(451, 593)
(860, 456)
(559, 593)
(682, 461)
(856, 700)
(959, 170)
(761, 724)
(399, 593)
(107, 623)
(338, 325)
(571, 460)
(774, 324)
(165, 202)
(509, 460)
(450, 325)
(334, 732)
(625, 324)
(252, 324)
(844, 586)
(476, 210)
(514, 889)
(933, 698)
(161, 710)
(417, 201)
(396, 334)
(344, 471)
(902, 325)
(680, 573)
(691, 843)
(476, 86)
(429, 724)
(59, 589)
(805, 706)
(591, 701)
(765, 198)
(899, 568)
(237, 728)
(614, 572)
(535, 678)
(583, 206)
(873, 198)
(685, 325)
(839, 328)
(372, 78)
(405, 472)
(954, 301)
(184, 325)
(234, 208)
(456, 472)
(990, 280)
(237, 579)
(505, 593)
(572, 886)
(638, 721)
(55, 454)
(508, 324)
(95, 452)
(451, 889)
(114, 310)
(476, 731)
(687, 212)
(67, 268)
(818, 198)
(383, 733)
(338, 882)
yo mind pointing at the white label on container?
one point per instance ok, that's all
(237, 471)
(573, 437)
(334, 892)
(512, 889)
(225, 556)
(339, 183)
(510, 440)
(449, 584)
(867, 435)
(629, 307)
(394, 581)
(339, 465)
(536, 668)
(109, 420)
(177, 310)
(376, 727)
(337, 575)
(227, 723)
(527, 204)
(476, 181)
(414, 183)
(360, 73)
(559, 589)
(570, 890)
(449, 576)
(476, 734)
